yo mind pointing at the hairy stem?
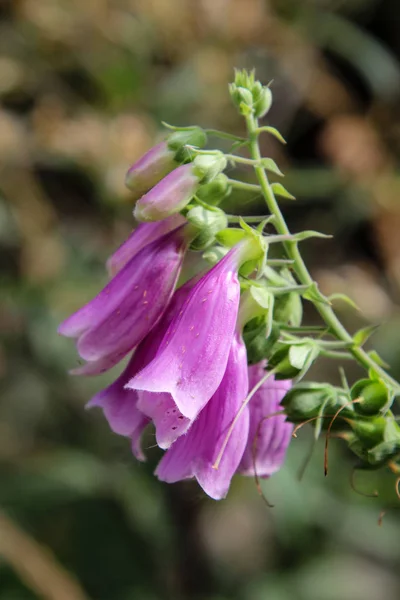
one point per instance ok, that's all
(299, 266)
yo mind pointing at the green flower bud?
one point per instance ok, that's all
(384, 452)
(370, 432)
(309, 400)
(263, 103)
(373, 395)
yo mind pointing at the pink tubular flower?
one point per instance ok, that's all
(194, 454)
(269, 436)
(150, 169)
(121, 405)
(169, 196)
(140, 237)
(124, 312)
(193, 355)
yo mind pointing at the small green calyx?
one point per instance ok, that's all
(293, 361)
(215, 191)
(180, 138)
(253, 247)
(208, 223)
(209, 165)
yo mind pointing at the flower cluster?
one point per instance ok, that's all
(188, 373)
(216, 363)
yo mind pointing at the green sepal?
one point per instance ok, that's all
(293, 361)
(230, 237)
(208, 166)
(209, 222)
(215, 191)
(215, 254)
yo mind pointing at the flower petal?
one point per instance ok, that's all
(193, 355)
(167, 419)
(194, 454)
(144, 234)
(132, 303)
(268, 437)
(120, 407)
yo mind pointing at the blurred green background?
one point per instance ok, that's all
(83, 88)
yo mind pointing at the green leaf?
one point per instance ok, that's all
(363, 334)
(343, 298)
(305, 235)
(270, 165)
(273, 131)
(280, 190)
(379, 361)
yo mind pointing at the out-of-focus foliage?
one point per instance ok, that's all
(83, 88)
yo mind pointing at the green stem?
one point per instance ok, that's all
(243, 185)
(225, 136)
(237, 219)
(291, 247)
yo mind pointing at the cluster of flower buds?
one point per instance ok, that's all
(216, 360)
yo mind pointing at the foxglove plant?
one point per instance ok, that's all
(217, 364)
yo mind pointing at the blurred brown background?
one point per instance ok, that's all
(83, 89)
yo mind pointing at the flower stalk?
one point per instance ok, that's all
(291, 246)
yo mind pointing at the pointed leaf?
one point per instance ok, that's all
(280, 190)
(363, 334)
(343, 298)
(270, 165)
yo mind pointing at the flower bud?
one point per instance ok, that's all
(263, 103)
(306, 400)
(169, 196)
(370, 431)
(149, 169)
(373, 396)
(162, 159)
